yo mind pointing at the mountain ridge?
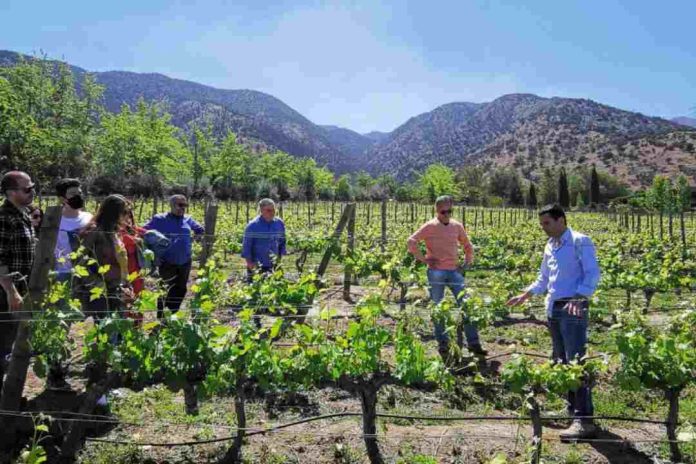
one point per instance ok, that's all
(523, 130)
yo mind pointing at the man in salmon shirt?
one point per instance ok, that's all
(442, 236)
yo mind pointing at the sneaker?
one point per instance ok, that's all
(477, 350)
(579, 430)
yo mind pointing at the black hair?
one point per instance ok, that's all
(555, 211)
(109, 215)
(64, 184)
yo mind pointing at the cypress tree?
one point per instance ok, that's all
(532, 196)
(563, 193)
(594, 187)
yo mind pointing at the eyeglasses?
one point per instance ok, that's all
(446, 211)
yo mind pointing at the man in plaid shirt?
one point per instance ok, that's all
(17, 242)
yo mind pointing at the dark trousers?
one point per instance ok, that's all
(174, 277)
(8, 332)
(569, 338)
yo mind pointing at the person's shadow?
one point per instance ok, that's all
(617, 452)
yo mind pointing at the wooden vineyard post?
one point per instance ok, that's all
(44, 261)
(154, 205)
(236, 212)
(280, 210)
(671, 224)
(498, 219)
(475, 218)
(247, 212)
(348, 210)
(384, 225)
(369, 209)
(464, 216)
(413, 217)
(209, 234)
(682, 226)
(348, 269)
(309, 215)
(333, 210)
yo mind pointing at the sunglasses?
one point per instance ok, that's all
(446, 211)
(182, 205)
(25, 189)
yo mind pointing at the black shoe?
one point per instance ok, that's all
(57, 384)
(477, 350)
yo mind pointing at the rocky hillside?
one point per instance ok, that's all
(523, 130)
(531, 132)
(685, 121)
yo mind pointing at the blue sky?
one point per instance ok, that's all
(372, 65)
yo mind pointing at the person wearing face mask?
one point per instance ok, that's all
(73, 220)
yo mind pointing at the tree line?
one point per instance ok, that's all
(53, 124)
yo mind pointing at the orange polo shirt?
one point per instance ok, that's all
(442, 242)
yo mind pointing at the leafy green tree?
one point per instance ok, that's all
(344, 191)
(437, 180)
(140, 143)
(46, 126)
(682, 194)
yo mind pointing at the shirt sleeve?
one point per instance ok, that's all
(541, 284)
(247, 243)
(151, 224)
(590, 268)
(417, 237)
(5, 245)
(282, 241)
(466, 243)
(195, 226)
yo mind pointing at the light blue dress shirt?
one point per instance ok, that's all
(569, 268)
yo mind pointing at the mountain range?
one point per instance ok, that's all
(521, 130)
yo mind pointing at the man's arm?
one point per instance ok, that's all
(14, 299)
(538, 287)
(413, 248)
(468, 247)
(151, 224)
(196, 227)
(247, 247)
(282, 245)
(590, 268)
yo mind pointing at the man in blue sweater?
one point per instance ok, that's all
(264, 240)
(175, 266)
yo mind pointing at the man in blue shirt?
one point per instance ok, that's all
(569, 276)
(264, 240)
(175, 265)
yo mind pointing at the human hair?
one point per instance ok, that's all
(554, 210)
(442, 199)
(266, 202)
(109, 217)
(64, 184)
(173, 199)
(11, 180)
(34, 207)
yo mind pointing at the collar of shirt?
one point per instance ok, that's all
(562, 240)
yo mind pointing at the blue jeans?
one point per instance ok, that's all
(569, 338)
(438, 280)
